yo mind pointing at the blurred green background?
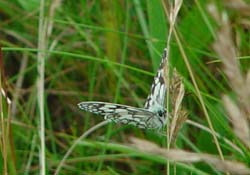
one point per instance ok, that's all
(109, 51)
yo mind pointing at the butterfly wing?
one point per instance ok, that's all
(118, 113)
(156, 99)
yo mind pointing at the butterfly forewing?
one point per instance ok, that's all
(156, 98)
(118, 113)
(105, 108)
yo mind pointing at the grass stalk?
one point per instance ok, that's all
(198, 93)
(40, 85)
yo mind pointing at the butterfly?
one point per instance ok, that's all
(152, 116)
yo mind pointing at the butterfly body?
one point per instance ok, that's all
(152, 116)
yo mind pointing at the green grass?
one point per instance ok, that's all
(110, 51)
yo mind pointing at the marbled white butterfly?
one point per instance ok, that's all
(152, 116)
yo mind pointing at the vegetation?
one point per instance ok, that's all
(56, 54)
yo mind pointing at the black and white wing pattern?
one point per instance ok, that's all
(156, 99)
(118, 113)
(152, 116)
